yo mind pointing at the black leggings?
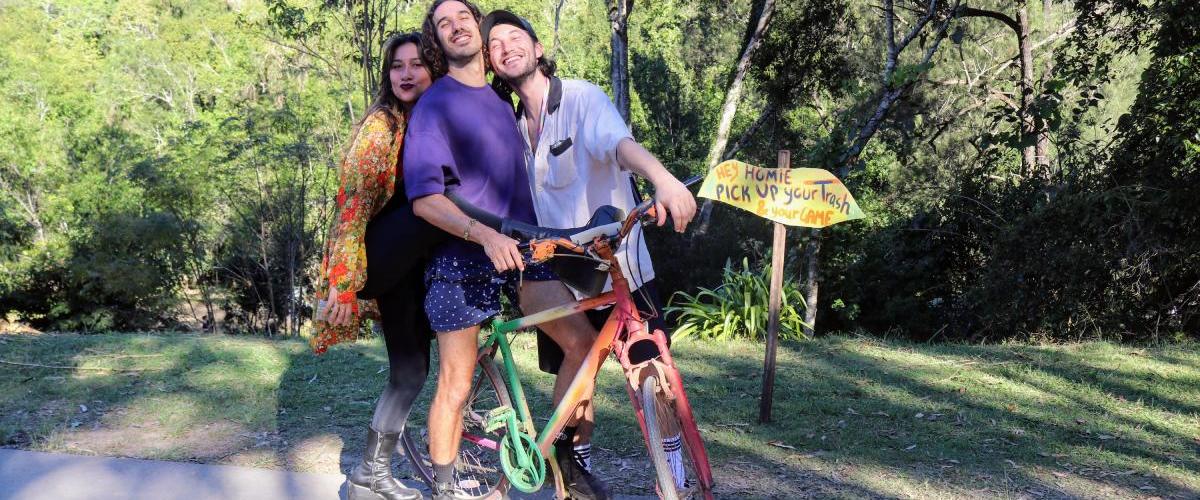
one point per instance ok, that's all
(398, 244)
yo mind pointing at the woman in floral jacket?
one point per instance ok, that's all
(373, 263)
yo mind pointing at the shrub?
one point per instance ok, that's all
(738, 307)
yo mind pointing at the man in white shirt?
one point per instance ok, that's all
(579, 156)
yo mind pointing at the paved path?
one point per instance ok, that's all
(32, 475)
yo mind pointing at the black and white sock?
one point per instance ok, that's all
(674, 448)
(582, 453)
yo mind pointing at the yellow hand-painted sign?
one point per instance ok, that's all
(808, 197)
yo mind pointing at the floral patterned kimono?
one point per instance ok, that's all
(368, 178)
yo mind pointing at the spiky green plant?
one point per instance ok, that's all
(738, 308)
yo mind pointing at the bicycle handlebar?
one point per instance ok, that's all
(617, 229)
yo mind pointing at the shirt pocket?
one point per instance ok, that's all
(561, 171)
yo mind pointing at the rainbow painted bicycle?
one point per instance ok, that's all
(500, 447)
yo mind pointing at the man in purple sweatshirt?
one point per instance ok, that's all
(463, 137)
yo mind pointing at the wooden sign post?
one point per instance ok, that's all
(773, 306)
(805, 197)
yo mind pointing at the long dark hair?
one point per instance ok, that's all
(431, 51)
(385, 100)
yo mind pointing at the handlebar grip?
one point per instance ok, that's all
(648, 202)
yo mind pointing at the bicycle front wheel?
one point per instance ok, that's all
(478, 471)
(674, 460)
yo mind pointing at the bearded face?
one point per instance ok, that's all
(457, 31)
(512, 52)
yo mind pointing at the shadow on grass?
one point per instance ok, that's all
(967, 420)
(169, 397)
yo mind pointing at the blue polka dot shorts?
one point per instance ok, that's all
(466, 292)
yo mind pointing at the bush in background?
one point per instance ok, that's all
(738, 308)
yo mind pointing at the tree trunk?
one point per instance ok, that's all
(757, 28)
(748, 134)
(557, 16)
(1034, 147)
(618, 17)
(812, 262)
(734, 96)
(729, 108)
(1029, 155)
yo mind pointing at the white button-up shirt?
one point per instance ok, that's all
(574, 170)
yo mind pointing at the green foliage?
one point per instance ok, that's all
(160, 160)
(738, 308)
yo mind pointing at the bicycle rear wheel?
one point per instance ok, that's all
(478, 470)
(679, 479)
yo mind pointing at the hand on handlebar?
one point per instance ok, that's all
(501, 249)
(674, 200)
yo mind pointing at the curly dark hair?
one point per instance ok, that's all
(431, 50)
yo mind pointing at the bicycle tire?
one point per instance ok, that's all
(479, 464)
(651, 409)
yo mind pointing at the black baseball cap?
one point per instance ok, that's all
(504, 17)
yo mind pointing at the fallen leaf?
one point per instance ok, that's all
(910, 447)
(314, 379)
(381, 369)
(1080, 421)
(779, 444)
(83, 408)
(919, 415)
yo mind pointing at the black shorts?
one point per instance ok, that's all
(550, 356)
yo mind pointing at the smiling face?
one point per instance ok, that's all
(457, 31)
(513, 52)
(408, 75)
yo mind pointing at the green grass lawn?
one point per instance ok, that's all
(853, 417)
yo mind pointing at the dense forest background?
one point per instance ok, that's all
(1029, 169)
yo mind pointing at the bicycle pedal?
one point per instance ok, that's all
(497, 418)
